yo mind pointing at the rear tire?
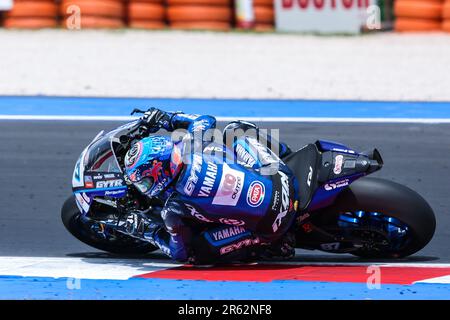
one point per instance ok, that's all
(70, 216)
(393, 200)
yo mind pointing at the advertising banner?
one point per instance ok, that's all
(324, 16)
(6, 4)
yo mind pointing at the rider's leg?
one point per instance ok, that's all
(279, 243)
(226, 244)
(279, 221)
(175, 240)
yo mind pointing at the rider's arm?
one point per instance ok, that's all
(189, 122)
(156, 119)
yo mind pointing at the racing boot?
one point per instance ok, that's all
(282, 249)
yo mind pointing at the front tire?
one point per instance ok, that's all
(391, 200)
(122, 245)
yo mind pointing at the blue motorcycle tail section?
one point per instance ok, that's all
(324, 169)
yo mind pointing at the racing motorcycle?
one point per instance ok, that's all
(340, 210)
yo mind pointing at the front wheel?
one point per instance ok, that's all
(82, 229)
(385, 219)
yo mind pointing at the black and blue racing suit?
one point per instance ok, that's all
(247, 204)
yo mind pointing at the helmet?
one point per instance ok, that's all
(152, 164)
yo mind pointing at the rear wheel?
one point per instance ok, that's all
(385, 219)
(83, 229)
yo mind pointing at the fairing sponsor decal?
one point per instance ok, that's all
(244, 157)
(285, 202)
(230, 188)
(239, 245)
(78, 173)
(256, 194)
(82, 204)
(209, 180)
(196, 214)
(196, 169)
(336, 185)
(339, 161)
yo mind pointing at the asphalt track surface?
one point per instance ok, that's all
(37, 160)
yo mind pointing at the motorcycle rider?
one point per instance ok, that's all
(195, 183)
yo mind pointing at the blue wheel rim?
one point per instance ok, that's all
(395, 232)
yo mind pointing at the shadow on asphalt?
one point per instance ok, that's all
(91, 257)
(104, 255)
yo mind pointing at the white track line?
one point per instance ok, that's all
(66, 118)
(438, 280)
(342, 120)
(114, 269)
(255, 119)
(123, 269)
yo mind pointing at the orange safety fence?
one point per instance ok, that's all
(418, 15)
(140, 14)
(220, 15)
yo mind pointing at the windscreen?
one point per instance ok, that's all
(101, 158)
